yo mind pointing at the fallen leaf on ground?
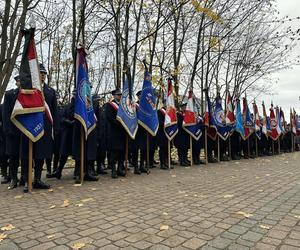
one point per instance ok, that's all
(186, 195)
(50, 190)
(173, 175)
(78, 246)
(257, 177)
(87, 200)
(51, 236)
(2, 237)
(181, 192)
(53, 206)
(247, 215)
(65, 204)
(260, 190)
(164, 227)
(195, 195)
(60, 187)
(165, 213)
(228, 195)
(267, 174)
(297, 216)
(264, 227)
(18, 196)
(77, 185)
(8, 227)
(93, 189)
(79, 204)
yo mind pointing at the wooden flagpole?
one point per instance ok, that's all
(206, 160)
(218, 148)
(191, 149)
(169, 154)
(148, 158)
(30, 156)
(81, 155)
(126, 155)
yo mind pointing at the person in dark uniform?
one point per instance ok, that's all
(115, 136)
(161, 138)
(181, 140)
(235, 145)
(12, 134)
(66, 139)
(56, 145)
(43, 148)
(101, 143)
(90, 151)
(3, 157)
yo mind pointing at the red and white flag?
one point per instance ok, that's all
(230, 118)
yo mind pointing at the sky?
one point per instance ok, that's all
(287, 89)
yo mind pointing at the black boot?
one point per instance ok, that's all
(14, 176)
(25, 188)
(37, 183)
(113, 172)
(142, 168)
(120, 171)
(48, 164)
(89, 175)
(136, 170)
(100, 170)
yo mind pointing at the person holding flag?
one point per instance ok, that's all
(168, 127)
(147, 115)
(248, 128)
(34, 114)
(127, 117)
(239, 132)
(84, 146)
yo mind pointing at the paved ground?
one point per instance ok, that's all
(235, 205)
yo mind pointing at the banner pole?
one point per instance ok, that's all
(169, 154)
(126, 156)
(256, 146)
(248, 142)
(30, 152)
(206, 160)
(273, 147)
(191, 149)
(148, 160)
(229, 146)
(218, 148)
(81, 155)
(279, 145)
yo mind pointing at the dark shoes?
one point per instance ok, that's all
(5, 179)
(90, 177)
(38, 184)
(136, 170)
(56, 175)
(13, 184)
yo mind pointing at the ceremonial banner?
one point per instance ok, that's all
(275, 130)
(264, 128)
(239, 120)
(256, 121)
(29, 109)
(208, 118)
(247, 120)
(230, 119)
(127, 112)
(170, 125)
(282, 121)
(293, 122)
(84, 111)
(218, 120)
(190, 123)
(146, 114)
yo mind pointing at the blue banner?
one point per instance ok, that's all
(239, 119)
(84, 111)
(219, 121)
(127, 112)
(147, 114)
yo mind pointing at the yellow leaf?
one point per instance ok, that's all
(77, 185)
(257, 177)
(165, 213)
(164, 227)
(93, 189)
(8, 227)
(50, 190)
(228, 195)
(247, 215)
(79, 204)
(78, 246)
(18, 196)
(53, 206)
(87, 200)
(186, 195)
(173, 175)
(260, 190)
(2, 237)
(297, 216)
(60, 187)
(65, 204)
(264, 227)
(51, 236)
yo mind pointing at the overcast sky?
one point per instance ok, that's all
(287, 90)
